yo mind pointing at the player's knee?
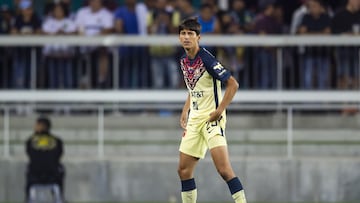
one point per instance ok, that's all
(226, 173)
(184, 173)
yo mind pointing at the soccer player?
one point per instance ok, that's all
(203, 116)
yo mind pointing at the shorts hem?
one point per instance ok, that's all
(220, 141)
(192, 154)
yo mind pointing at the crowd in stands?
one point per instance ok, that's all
(67, 67)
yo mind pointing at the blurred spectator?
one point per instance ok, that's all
(5, 59)
(49, 8)
(316, 59)
(208, 20)
(163, 64)
(17, 7)
(44, 151)
(133, 71)
(59, 57)
(244, 19)
(142, 13)
(26, 23)
(186, 9)
(298, 16)
(266, 21)
(265, 57)
(5, 19)
(347, 21)
(94, 20)
(288, 8)
(214, 5)
(242, 16)
(209, 23)
(231, 57)
(279, 17)
(227, 23)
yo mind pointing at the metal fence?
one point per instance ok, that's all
(287, 58)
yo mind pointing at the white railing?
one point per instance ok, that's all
(215, 40)
(139, 97)
(277, 41)
(156, 99)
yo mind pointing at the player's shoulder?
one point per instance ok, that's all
(203, 52)
(206, 56)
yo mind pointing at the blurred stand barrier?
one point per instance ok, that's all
(281, 43)
(172, 100)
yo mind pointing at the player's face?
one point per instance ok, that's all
(189, 39)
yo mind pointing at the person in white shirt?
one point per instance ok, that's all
(94, 20)
(59, 57)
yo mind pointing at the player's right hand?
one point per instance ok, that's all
(183, 120)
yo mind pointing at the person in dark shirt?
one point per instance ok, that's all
(316, 59)
(44, 151)
(243, 16)
(265, 23)
(5, 52)
(26, 23)
(347, 22)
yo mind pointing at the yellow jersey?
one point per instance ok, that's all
(203, 76)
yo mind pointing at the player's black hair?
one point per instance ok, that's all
(190, 24)
(45, 121)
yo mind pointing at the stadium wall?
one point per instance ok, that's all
(153, 179)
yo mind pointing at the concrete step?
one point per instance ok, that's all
(160, 150)
(154, 121)
(161, 135)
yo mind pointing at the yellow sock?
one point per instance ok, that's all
(239, 197)
(189, 196)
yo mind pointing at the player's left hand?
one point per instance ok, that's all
(215, 115)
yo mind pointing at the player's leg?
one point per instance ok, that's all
(220, 156)
(186, 169)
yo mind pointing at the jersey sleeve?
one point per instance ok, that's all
(214, 67)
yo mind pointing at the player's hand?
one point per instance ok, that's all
(215, 115)
(183, 119)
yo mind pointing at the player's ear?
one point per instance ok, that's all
(199, 37)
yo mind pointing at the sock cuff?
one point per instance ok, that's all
(188, 185)
(234, 185)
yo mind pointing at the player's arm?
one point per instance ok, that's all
(185, 112)
(230, 91)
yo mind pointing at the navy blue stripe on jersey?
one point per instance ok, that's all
(216, 96)
(222, 131)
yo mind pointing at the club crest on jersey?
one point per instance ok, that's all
(192, 72)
